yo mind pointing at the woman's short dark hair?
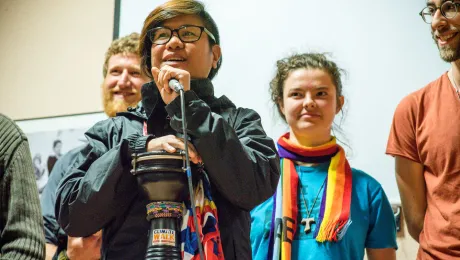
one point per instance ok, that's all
(170, 10)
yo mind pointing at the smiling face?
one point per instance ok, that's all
(196, 57)
(445, 33)
(309, 105)
(122, 84)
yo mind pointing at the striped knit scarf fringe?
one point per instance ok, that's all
(334, 216)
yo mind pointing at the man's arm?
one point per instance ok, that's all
(55, 237)
(50, 251)
(85, 248)
(412, 189)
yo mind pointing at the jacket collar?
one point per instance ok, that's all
(203, 88)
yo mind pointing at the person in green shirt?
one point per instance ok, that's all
(21, 224)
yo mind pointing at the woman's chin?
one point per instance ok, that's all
(307, 128)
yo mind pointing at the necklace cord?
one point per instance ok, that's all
(316, 198)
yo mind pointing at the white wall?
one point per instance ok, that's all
(51, 56)
(384, 46)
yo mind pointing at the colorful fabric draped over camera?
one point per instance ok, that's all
(334, 215)
(206, 213)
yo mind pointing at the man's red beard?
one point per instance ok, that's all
(113, 106)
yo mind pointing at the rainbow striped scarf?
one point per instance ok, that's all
(334, 216)
(206, 213)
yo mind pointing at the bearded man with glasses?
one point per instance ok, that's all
(425, 142)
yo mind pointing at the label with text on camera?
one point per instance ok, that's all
(163, 237)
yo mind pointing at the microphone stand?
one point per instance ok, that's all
(189, 172)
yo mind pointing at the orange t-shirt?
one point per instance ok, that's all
(426, 129)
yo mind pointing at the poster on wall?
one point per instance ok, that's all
(50, 138)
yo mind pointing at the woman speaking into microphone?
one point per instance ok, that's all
(180, 41)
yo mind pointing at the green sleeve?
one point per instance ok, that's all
(21, 222)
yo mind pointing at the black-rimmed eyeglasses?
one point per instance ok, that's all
(186, 33)
(448, 10)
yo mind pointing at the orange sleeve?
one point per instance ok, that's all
(402, 139)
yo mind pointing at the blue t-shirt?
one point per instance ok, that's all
(373, 224)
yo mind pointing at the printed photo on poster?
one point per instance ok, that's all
(50, 138)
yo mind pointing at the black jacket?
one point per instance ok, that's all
(99, 192)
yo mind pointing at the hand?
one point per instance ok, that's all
(85, 248)
(50, 251)
(162, 77)
(170, 143)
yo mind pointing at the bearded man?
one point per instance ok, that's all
(425, 142)
(121, 89)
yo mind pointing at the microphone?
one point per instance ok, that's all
(175, 85)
